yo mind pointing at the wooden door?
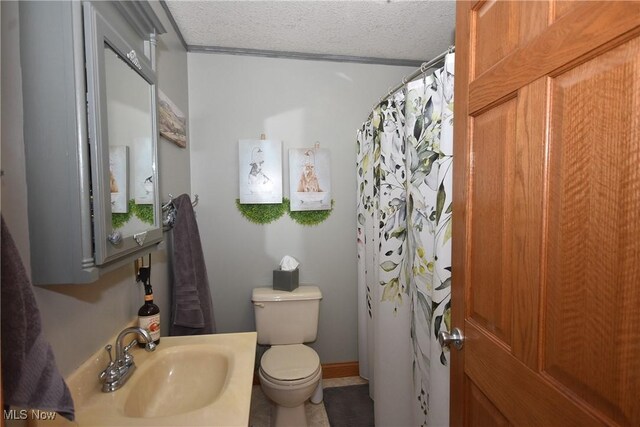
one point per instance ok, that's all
(546, 240)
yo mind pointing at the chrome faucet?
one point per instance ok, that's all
(117, 372)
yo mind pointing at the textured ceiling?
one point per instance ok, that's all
(407, 30)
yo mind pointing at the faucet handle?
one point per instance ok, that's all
(108, 371)
(108, 348)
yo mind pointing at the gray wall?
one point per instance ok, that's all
(175, 169)
(14, 202)
(79, 319)
(298, 102)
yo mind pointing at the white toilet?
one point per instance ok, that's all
(290, 371)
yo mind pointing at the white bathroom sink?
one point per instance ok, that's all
(187, 381)
(178, 380)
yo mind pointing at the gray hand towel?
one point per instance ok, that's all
(192, 310)
(29, 374)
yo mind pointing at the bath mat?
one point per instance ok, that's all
(349, 406)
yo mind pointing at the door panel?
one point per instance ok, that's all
(593, 233)
(516, 22)
(493, 145)
(491, 17)
(481, 412)
(546, 230)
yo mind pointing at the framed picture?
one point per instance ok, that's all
(310, 179)
(172, 122)
(143, 171)
(118, 178)
(260, 171)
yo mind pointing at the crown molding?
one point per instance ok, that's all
(163, 3)
(303, 56)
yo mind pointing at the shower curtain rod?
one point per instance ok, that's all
(426, 66)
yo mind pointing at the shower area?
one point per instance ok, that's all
(404, 207)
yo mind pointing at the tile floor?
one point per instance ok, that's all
(316, 414)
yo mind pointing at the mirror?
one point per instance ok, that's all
(121, 87)
(130, 131)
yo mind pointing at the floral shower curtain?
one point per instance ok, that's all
(404, 172)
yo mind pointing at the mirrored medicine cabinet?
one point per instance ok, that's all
(90, 131)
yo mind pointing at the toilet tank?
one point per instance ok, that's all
(284, 317)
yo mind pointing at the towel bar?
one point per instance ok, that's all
(169, 211)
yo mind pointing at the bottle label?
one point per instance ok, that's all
(148, 297)
(151, 324)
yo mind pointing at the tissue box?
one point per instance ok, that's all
(285, 280)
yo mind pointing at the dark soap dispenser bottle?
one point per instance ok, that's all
(149, 313)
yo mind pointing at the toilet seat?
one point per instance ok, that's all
(290, 364)
(290, 383)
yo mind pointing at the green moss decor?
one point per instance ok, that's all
(261, 213)
(120, 219)
(143, 212)
(309, 218)
(265, 213)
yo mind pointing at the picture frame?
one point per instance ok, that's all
(260, 171)
(309, 179)
(119, 178)
(171, 121)
(143, 186)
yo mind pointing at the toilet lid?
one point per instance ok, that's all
(290, 362)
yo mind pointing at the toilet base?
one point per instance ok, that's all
(317, 396)
(281, 416)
